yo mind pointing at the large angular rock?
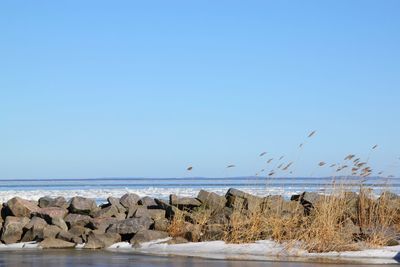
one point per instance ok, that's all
(112, 201)
(192, 232)
(101, 240)
(21, 207)
(129, 200)
(81, 205)
(130, 226)
(211, 200)
(56, 243)
(101, 224)
(170, 210)
(34, 229)
(151, 213)
(13, 229)
(58, 202)
(184, 203)
(148, 235)
(239, 200)
(68, 236)
(51, 213)
(110, 211)
(51, 231)
(308, 200)
(161, 224)
(60, 223)
(148, 202)
(77, 220)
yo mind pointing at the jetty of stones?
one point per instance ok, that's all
(58, 223)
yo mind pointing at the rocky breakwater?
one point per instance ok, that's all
(58, 223)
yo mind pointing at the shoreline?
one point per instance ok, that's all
(154, 226)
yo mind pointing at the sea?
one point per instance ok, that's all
(101, 188)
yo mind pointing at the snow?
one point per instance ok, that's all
(260, 250)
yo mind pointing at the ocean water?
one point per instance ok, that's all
(101, 188)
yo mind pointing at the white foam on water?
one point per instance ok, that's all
(149, 191)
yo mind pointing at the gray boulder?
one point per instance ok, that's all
(130, 226)
(113, 201)
(60, 223)
(109, 211)
(34, 229)
(101, 240)
(51, 213)
(56, 243)
(21, 207)
(147, 235)
(239, 200)
(68, 236)
(184, 203)
(101, 224)
(151, 213)
(129, 200)
(13, 229)
(81, 205)
(77, 220)
(148, 202)
(211, 200)
(59, 202)
(161, 224)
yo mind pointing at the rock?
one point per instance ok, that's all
(170, 210)
(192, 232)
(177, 240)
(131, 211)
(307, 200)
(148, 235)
(239, 200)
(21, 207)
(184, 203)
(120, 216)
(13, 229)
(50, 213)
(112, 201)
(81, 205)
(213, 232)
(101, 224)
(77, 231)
(161, 224)
(130, 226)
(34, 230)
(129, 200)
(77, 220)
(148, 202)
(58, 202)
(101, 240)
(109, 211)
(211, 200)
(56, 243)
(221, 217)
(67, 236)
(51, 231)
(151, 213)
(60, 223)
(392, 242)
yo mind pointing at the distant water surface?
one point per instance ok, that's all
(101, 188)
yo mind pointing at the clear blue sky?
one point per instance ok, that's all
(147, 88)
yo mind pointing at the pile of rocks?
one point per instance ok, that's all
(58, 223)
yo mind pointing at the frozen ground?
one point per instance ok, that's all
(260, 250)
